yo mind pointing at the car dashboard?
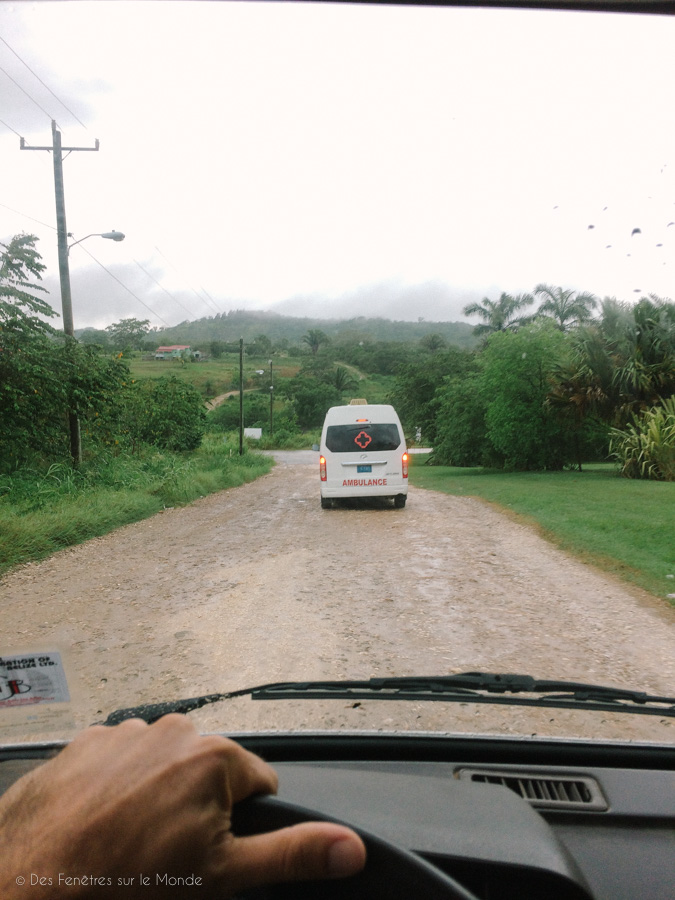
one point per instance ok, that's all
(505, 818)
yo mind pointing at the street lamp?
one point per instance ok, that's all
(109, 235)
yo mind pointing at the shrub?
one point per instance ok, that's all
(166, 412)
(646, 447)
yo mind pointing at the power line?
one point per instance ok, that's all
(212, 304)
(2, 122)
(46, 86)
(128, 290)
(188, 311)
(32, 99)
(26, 216)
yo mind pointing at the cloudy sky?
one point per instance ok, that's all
(333, 161)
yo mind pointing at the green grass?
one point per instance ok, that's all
(624, 526)
(41, 512)
(211, 377)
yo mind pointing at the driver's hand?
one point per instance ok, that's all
(153, 802)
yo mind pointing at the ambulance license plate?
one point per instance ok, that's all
(364, 468)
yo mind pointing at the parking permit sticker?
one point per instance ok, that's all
(34, 693)
(32, 678)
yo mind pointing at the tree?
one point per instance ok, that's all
(32, 395)
(415, 391)
(515, 384)
(94, 336)
(646, 374)
(376, 357)
(311, 398)
(461, 432)
(433, 342)
(622, 364)
(499, 315)
(314, 339)
(261, 346)
(567, 308)
(21, 308)
(128, 333)
(342, 380)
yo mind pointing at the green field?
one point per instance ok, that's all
(626, 527)
(212, 377)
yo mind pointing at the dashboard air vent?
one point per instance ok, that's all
(549, 792)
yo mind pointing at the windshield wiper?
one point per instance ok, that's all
(467, 687)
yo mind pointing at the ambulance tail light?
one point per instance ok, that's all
(322, 467)
(405, 465)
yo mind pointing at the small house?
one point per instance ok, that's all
(175, 351)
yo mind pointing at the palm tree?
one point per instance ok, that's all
(343, 380)
(620, 365)
(314, 339)
(433, 342)
(499, 315)
(567, 308)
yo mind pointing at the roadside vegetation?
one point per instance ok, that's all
(546, 390)
(42, 511)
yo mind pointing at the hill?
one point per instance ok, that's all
(248, 325)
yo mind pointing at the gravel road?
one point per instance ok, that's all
(258, 584)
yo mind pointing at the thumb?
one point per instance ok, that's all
(311, 850)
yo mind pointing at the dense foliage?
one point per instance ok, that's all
(46, 376)
(538, 389)
(544, 391)
(646, 448)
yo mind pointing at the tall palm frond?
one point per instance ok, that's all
(499, 315)
(566, 307)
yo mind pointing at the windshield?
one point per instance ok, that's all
(355, 438)
(219, 220)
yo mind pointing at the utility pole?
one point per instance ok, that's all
(241, 396)
(271, 400)
(62, 237)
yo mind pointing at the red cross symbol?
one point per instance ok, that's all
(362, 439)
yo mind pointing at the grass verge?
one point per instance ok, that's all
(47, 511)
(623, 526)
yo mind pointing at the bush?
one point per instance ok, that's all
(646, 447)
(164, 412)
(256, 412)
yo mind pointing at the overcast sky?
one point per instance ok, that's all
(333, 161)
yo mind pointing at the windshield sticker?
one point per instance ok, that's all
(362, 439)
(31, 679)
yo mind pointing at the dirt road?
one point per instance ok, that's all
(258, 584)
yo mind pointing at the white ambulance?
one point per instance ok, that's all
(363, 454)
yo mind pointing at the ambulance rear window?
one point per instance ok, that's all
(353, 438)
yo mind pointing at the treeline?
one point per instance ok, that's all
(286, 332)
(576, 379)
(553, 389)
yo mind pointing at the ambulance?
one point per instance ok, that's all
(363, 454)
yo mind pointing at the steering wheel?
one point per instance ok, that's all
(390, 873)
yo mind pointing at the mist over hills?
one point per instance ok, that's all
(280, 329)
